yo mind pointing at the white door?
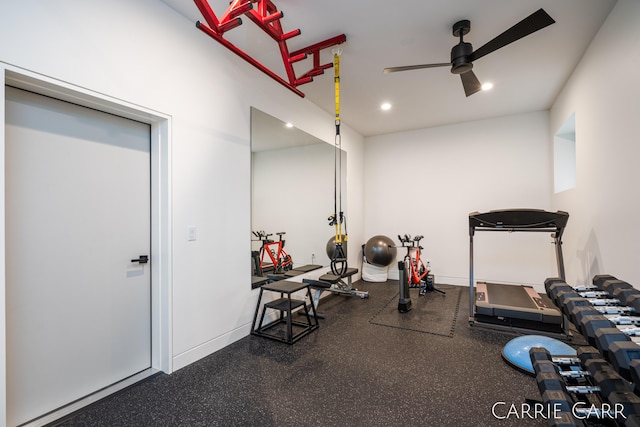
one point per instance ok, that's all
(77, 214)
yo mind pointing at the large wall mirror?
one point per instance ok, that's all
(292, 188)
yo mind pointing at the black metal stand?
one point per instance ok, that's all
(285, 305)
(430, 285)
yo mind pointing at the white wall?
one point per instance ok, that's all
(427, 182)
(603, 234)
(144, 53)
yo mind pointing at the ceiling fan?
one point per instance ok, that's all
(463, 55)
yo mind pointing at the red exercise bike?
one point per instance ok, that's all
(417, 274)
(416, 268)
(272, 256)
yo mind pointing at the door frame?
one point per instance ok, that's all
(161, 215)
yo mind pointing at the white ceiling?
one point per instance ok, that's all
(527, 75)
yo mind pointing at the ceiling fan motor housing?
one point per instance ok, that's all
(460, 58)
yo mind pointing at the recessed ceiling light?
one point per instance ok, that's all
(385, 106)
(487, 86)
(289, 125)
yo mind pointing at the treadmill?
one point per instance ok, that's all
(517, 308)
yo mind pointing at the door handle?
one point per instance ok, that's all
(142, 260)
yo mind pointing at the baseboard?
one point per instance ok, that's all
(192, 355)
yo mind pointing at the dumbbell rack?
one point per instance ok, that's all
(606, 313)
(583, 390)
(606, 373)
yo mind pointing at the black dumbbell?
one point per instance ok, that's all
(557, 291)
(596, 364)
(552, 381)
(601, 278)
(552, 281)
(611, 285)
(635, 304)
(564, 295)
(626, 401)
(632, 421)
(634, 372)
(587, 352)
(606, 336)
(550, 375)
(572, 301)
(555, 288)
(542, 354)
(621, 353)
(590, 324)
(542, 360)
(579, 311)
(610, 381)
(539, 353)
(542, 366)
(558, 400)
(633, 301)
(565, 419)
(584, 353)
(549, 381)
(625, 294)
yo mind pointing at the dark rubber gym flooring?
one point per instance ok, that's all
(357, 369)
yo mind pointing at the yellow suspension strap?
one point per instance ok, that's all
(339, 258)
(336, 80)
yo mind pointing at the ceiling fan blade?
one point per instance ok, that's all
(415, 67)
(534, 22)
(470, 83)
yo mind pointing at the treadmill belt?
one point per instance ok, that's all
(503, 301)
(509, 295)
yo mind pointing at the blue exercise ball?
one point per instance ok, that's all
(516, 351)
(380, 251)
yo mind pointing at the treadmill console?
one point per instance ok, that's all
(481, 296)
(522, 219)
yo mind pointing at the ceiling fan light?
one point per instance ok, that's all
(385, 106)
(487, 86)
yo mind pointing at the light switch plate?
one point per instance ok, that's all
(191, 233)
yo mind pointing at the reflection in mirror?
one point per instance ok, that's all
(292, 188)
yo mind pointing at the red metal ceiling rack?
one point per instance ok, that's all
(266, 16)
